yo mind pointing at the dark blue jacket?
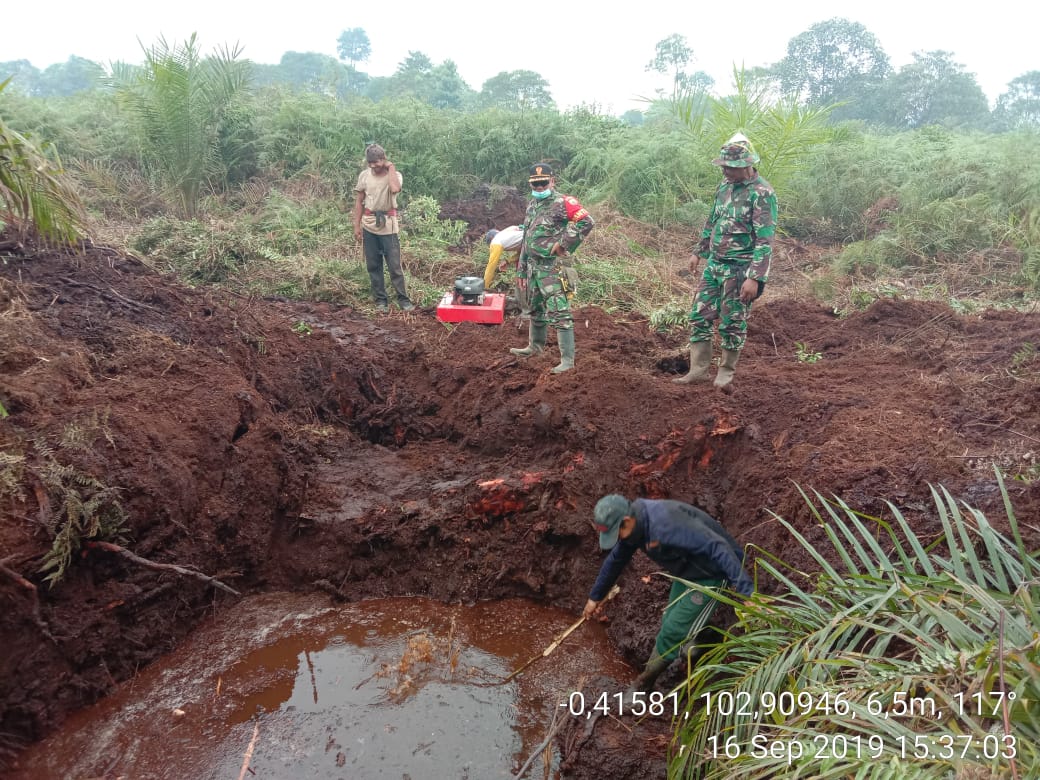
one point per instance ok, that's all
(685, 541)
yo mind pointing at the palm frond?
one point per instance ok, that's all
(916, 660)
(35, 195)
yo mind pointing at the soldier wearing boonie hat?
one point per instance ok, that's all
(687, 543)
(737, 243)
(737, 154)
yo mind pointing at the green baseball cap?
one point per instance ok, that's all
(610, 511)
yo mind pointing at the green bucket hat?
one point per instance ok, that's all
(737, 152)
(736, 156)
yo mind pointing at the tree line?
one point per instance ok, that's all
(836, 63)
(188, 134)
(840, 64)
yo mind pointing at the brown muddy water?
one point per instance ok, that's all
(275, 687)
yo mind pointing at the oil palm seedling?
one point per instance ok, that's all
(782, 131)
(181, 105)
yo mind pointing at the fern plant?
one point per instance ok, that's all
(86, 509)
(908, 658)
(11, 468)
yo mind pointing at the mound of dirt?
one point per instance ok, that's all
(486, 207)
(304, 446)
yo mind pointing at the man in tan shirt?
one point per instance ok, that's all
(377, 226)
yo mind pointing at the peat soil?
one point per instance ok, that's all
(308, 447)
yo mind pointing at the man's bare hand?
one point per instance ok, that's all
(591, 609)
(748, 291)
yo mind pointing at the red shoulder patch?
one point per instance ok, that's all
(575, 210)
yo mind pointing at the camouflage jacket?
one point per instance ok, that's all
(741, 226)
(561, 219)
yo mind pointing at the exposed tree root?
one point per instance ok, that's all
(115, 548)
(34, 594)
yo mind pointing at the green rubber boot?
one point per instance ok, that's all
(566, 341)
(700, 362)
(726, 369)
(535, 341)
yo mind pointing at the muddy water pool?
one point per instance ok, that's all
(277, 686)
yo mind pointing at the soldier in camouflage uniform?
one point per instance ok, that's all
(554, 226)
(737, 244)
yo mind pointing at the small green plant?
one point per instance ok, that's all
(302, 328)
(11, 467)
(860, 299)
(805, 354)
(1029, 474)
(87, 509)
(670, 317)
(1022, 357)
(421, 222)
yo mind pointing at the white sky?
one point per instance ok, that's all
(588, 52)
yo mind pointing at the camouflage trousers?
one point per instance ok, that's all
(718, 298)
(548, 297)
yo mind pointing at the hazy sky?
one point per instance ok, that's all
(587, 53)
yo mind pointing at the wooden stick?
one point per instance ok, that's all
(314, 682)
(558, 640)
(115, 548)
(557, 722)
(249, 751)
